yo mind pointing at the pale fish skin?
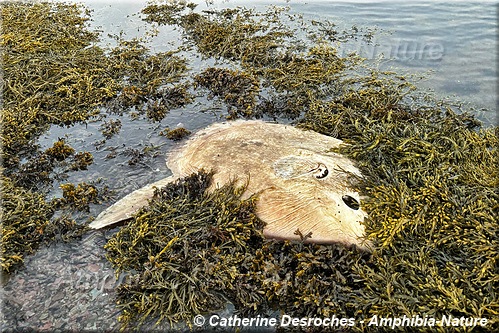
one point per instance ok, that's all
(300, 184)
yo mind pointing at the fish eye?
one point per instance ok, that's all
(321, 171)
(351, 202)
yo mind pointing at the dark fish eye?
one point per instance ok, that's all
(322, 171)
(351, 202)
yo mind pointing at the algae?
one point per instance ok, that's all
(110, 128)
(55, 73)
(431, 176)
(149, 82)
(175, 134)
(52, 75)
(431, 186)
(179, 246)
(280, 72)
(237, 89)
(27, 222)
(432, 197)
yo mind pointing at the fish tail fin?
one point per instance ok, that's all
(124, 208)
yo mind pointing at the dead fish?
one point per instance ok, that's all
(304, 190)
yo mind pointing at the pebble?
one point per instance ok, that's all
(57, 289)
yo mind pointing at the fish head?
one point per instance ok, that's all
(312, 199)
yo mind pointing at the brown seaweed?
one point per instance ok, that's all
(175, 134)
(56, 74)
(431, 177)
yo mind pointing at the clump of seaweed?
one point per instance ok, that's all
(110, 128)
(38, 172)
(302, 280)
(237, 89)
(179, 248)
(175, 134)
(273, 58)
(51, 77)
(138, 155)
(148, 81)
(27, 223)
(233, 34)
(327, 30)
(431, 182)
(79, 196)
(169, 98)
(81, 161)
(56, 74)
(60, 150)
(53, 74)
(25, 215)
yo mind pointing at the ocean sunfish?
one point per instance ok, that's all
(304, 190)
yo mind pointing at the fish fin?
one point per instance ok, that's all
(124, 208)
(287, 211)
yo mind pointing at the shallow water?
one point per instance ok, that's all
(70, 286)
(454, 43)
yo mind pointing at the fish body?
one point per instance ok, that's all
(303, 188)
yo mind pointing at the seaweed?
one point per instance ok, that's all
(49, 77)
(179, 248)
(54, 73)
(169, 98)
(215, 33)
(275, 62)
(110, 128)
(79, 196)
(27, 223)
(175, 134)
(81, 161)
(431, 212)
(430, 185)
(148, 82)
(60, 150)
(188, 245)
(430, 170)
(237, 89)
